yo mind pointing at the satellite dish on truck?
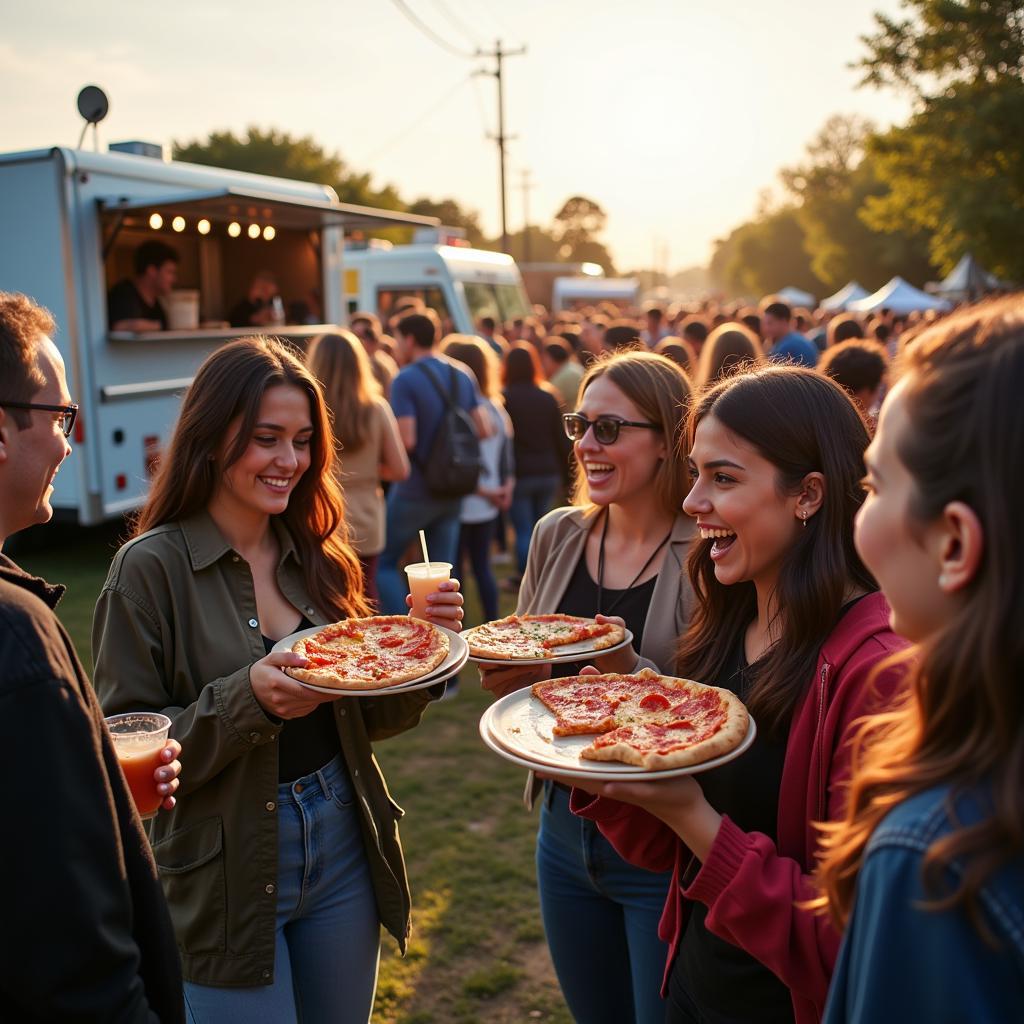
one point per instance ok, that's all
(93, 106)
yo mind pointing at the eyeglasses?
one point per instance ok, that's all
(606, 428)
(68, 413)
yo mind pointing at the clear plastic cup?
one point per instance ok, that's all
(138, 737)
(424, 578)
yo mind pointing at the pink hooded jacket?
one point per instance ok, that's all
(751, 885)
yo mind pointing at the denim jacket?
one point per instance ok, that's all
(902, 962)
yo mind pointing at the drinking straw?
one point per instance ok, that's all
(423, 544)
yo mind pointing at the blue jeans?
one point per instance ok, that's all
(531, 499)
(475, 540)
(599, 910)
(406, 516)
(328, 929)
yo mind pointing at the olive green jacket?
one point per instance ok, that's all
(176, 630)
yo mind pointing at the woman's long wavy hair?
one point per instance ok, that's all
(340, 363)
(661, 391)
(224, 401)
(801, 422)
(964, 722)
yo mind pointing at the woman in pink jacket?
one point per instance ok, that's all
(789, 618)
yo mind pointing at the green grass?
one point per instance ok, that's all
(477, 952)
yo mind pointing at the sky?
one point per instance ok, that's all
(673, 115)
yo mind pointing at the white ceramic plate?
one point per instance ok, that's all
(581, 651)
(458, 655)
(519, 728)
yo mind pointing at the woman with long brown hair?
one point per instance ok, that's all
(283, 849)
(541, 450)
(787, 617)
(369, 446)
(926, 870)
(618, 550)
(481, 511)
(728, 347)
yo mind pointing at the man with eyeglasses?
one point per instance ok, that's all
(86, 934)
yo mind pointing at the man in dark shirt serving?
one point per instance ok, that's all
(86, 933)
(133, 304)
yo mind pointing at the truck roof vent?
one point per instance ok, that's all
(151, 149)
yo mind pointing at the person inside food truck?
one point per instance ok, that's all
(259, 308)
(134, 303)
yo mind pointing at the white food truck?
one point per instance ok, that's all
(459, 283)
(70, 221)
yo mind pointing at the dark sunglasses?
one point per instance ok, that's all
(606, 428)
(68, 413)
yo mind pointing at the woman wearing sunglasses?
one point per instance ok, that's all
(619, 552)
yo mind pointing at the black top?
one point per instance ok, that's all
(306, 744)
(125, 303)
(726, 983)
(81, 867)
(580, 598)
(541, 447)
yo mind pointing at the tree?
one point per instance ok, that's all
(576, 224)
(451, 214)
(832, 188)
(281, 155)
(764, 255)
(956, 170)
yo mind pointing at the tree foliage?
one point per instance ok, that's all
(832, 188)
(282, 155)
(956, 169)
(764, 255)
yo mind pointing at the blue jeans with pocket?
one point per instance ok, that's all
(328, 929)
(601, 919)
(406, 516)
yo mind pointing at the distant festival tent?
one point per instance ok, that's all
(900, 297)
(968, 280)
(796, 297)
(853, 292)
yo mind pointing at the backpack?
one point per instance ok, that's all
(454, 464)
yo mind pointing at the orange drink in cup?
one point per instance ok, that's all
(138, 737)
(424, 578)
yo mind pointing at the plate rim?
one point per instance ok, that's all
(438, 674)
(558, 659)
(621, 772)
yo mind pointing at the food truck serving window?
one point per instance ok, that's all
(242, 259)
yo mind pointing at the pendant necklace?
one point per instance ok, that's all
(600, 566)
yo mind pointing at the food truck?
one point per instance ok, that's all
(459, 283)
(72, 220)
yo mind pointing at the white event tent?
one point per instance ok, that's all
(900, 297)
(796, 297)
(852, 292)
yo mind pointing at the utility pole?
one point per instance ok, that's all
(527, 186)
(498, 54)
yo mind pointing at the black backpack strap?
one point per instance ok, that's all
(450, 400)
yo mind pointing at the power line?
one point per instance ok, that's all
(429, 32)
(436, 105)
(458, 23)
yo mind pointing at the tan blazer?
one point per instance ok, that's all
(555, 551)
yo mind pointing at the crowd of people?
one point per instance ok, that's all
(814, 511)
